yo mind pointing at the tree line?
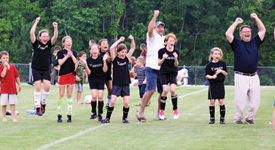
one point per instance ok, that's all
(198, 24)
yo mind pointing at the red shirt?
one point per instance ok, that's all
(8, 82)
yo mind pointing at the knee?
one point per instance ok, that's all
(164, 92)
(212, 102)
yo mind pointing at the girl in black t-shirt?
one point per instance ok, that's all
(67, 59)
(41, 64)
(215, 72)
(96, 66)
(168, 62)
(121, 77)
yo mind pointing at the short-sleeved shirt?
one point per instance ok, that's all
(8, 85)
(97, 74)
(121, 75)
(80, 72)
(246, 54)
(140, 71)
(41, 55)
(211, 69)
(68, 66)
(168, 66)
(154, 43)
(109, 64)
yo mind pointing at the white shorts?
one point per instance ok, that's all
(8, 99)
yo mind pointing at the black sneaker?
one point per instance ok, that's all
(43, 108)
(99, 117)
(93, 116)
(212, 121)
(222, 121)
(238, 122)
(38, 111)
(30, 82)
(59, 118)
(106, 120)
(125, 120)
(69, 118)
(249, 122)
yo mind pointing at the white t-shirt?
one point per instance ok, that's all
(154, 44)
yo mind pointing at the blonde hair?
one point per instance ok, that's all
(141, 59)
(64, 39)
(215, 49)
(42, 31)
(170, 35)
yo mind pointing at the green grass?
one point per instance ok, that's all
(190, 131)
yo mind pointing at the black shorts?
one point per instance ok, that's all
(108, 77)
(96, 85)
(167, 78)
(41, 74)
(216, 90)
(122, 90)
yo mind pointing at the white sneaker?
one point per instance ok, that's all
(161, 114)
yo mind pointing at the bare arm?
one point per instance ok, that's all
(55, 35)
(112, 48)
(152, 23)
(230, 31)
(17, 79)
(32, 33)
(105, 66)
(160, 61)
(88, 71)
(211, 77)
(4, 72)
(260, 25)
(61, 61)
(176, 63)
(133, 47)
(273, 119)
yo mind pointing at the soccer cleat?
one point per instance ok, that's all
(93, 116)
(59, 118)
(106, 120)
(100, 117)
(69, 118)
(38, 111)
(212, 121)
(249, 122)
(125, 120)
(238, 122)
(222, 121)
(43, 108)
(176, 114)
(161, 114)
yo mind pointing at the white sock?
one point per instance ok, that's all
(45, 97)
(37, 96)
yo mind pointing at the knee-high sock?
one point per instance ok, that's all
(70, 105)
(93, 104)
(37, 96)
(59, 105)
(108, 99)
(212, 112)
(222, 111)
(174, 102)
(163, 102)
(100, 107)
(109, 112)
(125, 112)
(45, 97)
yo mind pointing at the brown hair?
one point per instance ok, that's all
(244, 26)
(42, 31)
(143, 47)
(141, 59)
(57, 48)
(3, 53)
(170, 35)
(99, 42)
(64, 39)
(211, 52)
(81, 53)
(91, 48)
(121, 47)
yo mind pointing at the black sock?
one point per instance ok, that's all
(125, 112)
(174, 102)
(212, 112)
(100, 106)
(163, 102)
(109, 112)
(93, 104)
(222, 111)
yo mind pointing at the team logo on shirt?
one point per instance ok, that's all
(170, 58)
(121, 64)
(41, 47)
(217, 68)
(95, 65)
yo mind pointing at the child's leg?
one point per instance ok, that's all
(37, 93)
(100, 102)
(46, 92)
(174, 96)
(94, 98)
(12, 106)
(222, 109)
(125, 107)
(60, 99)
(69, 99)
(212, 111)
(4, 110)
(163, 97)
(111, 106)
(79, 90)
(109, 88)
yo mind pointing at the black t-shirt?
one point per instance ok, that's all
(109, 63)
(42, 55)
(168, 66)
(246, 54)
(96, 66)
(121, 75)
(68, 66)
(211, 69)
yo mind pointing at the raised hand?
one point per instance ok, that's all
(105, 56)
(156, 13)
(122, 38)
(130, 37)
(37, 19)
(253, 16)
(165, 55)
(239, 20)
(55, 24)
(175, 55)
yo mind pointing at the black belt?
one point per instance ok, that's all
(246, 74)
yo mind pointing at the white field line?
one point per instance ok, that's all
(70, 137)
(192, 93)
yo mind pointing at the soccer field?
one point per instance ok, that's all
(190, 131)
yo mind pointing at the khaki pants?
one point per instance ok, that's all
(246, 86)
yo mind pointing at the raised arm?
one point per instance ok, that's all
(260, 25)
(32, 33)
(133, 47)
(105, 66)
(55, 35)
(112, 48)
(230, 31)
(152, 23)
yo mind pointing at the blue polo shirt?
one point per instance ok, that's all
(246, 54)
